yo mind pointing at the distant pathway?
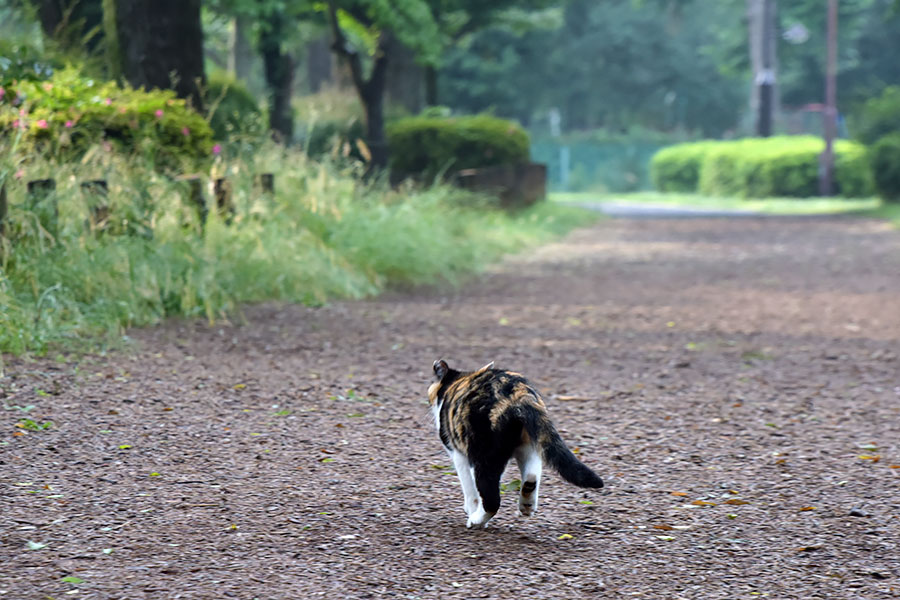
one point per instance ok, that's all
(735, 381)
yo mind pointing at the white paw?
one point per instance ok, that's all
(478, 519)
(526, 509)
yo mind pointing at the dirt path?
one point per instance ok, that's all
(727, 378)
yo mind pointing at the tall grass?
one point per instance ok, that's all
(325, 234)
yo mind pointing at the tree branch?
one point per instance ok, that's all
(343, 48)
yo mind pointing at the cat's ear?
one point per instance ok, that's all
(490, 365)
(440, 369)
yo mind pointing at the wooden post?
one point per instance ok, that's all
(97, 192)
(2, 208)
(266, 182)
(42, 201)
(224, 201)
(195, 195)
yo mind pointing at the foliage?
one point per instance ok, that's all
(757, 168)
(608, 64)
(68, 114)
(884, 157)
(677, 168)
(338, 137)
(879, 116)
(232, 108)
(323, 235)
(22, 61)
(431, 145)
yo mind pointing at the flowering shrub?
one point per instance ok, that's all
(67, 114)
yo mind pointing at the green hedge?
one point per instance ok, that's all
(677, 168)
(785, 166)
(884, 157)
(879, 116)
(431, 145)
(68, 114)
(234, 110)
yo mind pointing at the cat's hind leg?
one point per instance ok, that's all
(530, 465)
(487, 481)
(466, 481)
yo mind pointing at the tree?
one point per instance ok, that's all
(157, 44)
(376, 25)
(73, 24)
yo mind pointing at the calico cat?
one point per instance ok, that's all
(489, 416)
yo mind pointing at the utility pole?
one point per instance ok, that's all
(762, 18)
(829, 114)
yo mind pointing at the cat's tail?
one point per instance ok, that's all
(558, 456)
(555, 452)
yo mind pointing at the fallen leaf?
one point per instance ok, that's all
(35, 545)
(107, 551)
(894, 466)
(736, 501)
(873, 457)
(679, 493)
(240, 386)
(124, 446)
(703, 503)
(154, 474)
(731, 516)
(806, 508)
(565, 536)
(326, 460)
(663, 527)
(72, 579)
(664, 537)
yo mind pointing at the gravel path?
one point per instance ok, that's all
(736, 382)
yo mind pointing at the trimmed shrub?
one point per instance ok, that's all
(762, 167)
(884, 156)
(66, 115)
(880, 116)
(233, 109)
(677, 168)
(431, 145)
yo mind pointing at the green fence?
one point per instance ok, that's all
(602, 166)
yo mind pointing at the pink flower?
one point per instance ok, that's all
(185, 131)
(108, 101)
(48, 86)
(22, 112)
(217, 149)
(2, 91)
(42, 124)
(69, 124)
(15, 124)
(159, 113)
(20, 174)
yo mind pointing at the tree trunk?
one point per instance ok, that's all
(318, 64)
(73, 24)
(240, 55)
(279, 70)
(431, 86)
(159, 44)
(370, 90)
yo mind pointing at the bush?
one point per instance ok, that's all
(233, 109)
(884, 156)
(759, 168)
(880, 116)
(67, 114)
(431, 145)
(22, 62)
(677, 168)
(335, 135)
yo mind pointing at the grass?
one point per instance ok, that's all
(324, 235)
(775, 206)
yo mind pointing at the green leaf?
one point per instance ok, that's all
(72, 579)
(124, 446)
(35, 545)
